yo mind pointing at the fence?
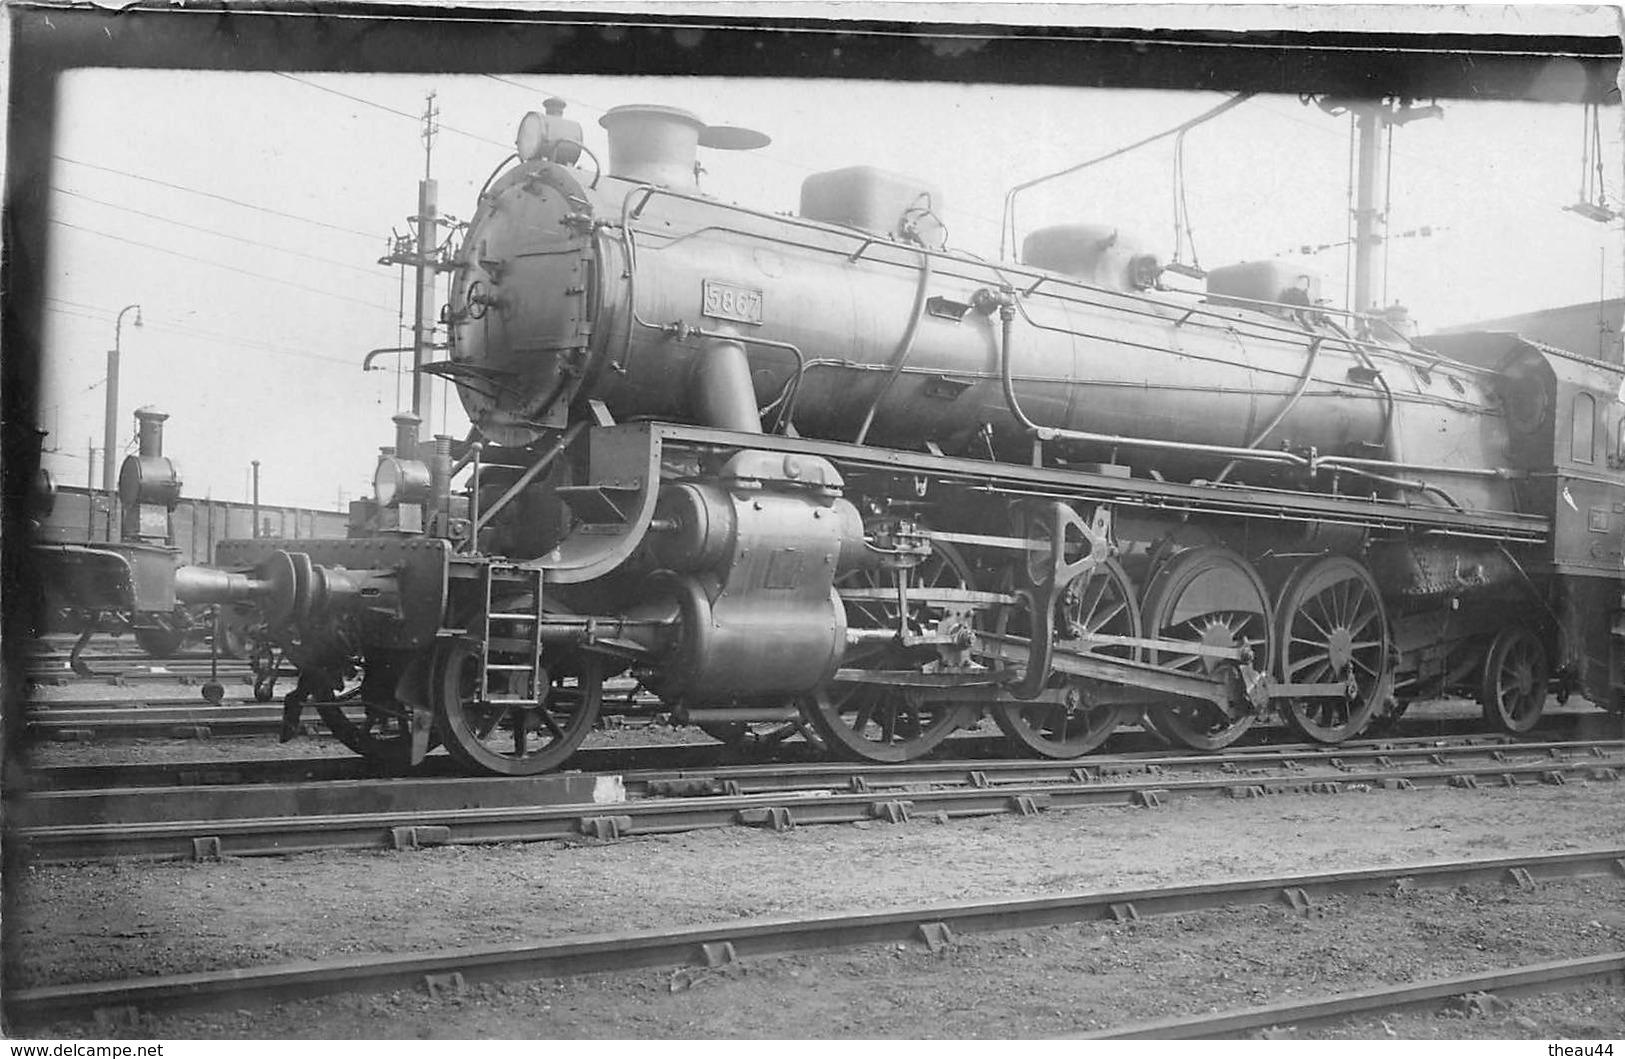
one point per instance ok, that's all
(83, 515)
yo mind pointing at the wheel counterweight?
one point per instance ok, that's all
(1212, 597)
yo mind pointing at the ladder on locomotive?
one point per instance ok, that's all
(527, 649)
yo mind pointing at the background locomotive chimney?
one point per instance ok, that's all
(151, 431)
(653, 144)
(406, 435)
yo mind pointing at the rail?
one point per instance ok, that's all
(779, 810)
(715, 944)
(1516, 981)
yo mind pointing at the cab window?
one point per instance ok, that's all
(1584, 441)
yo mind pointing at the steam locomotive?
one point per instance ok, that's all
(125, 585)
(823, 467)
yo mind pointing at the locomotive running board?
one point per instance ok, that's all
(1016, 479)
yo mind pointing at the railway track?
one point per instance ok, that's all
(1530, 979)
(210, 821)
(81, 720)
(703, 768)
(150, 672)
(934, 926)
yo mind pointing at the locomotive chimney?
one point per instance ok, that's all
(151, 431)
(653, 144)
(406, 435)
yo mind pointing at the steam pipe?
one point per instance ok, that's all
(1354, 464)
(904, 348)
(682, 330)
(366, 362)
(1291, 402)
(721, 386)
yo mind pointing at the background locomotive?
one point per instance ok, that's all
(824, 464)
(127, 585)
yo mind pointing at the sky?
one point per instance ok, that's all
(245, 214)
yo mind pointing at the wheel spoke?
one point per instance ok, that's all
(1104, 617)
(1322, 658)
(1324, 630)
(1361, 619)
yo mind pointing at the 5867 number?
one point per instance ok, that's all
(729, 302)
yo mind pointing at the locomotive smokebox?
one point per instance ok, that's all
(653, 144)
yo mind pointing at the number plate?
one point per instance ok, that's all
(728, 302)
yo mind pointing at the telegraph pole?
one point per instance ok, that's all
(428, 239)
(1371, 120)
(1370, 218)
(90, 489)
(420, 254)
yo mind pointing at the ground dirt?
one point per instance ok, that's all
(108, 920)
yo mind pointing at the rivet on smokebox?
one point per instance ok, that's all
(792, 467)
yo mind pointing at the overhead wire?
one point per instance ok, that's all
(1472, 177)
(80, 309)
(387, 109)
(370, 236)
(371, 272)
(223, 265)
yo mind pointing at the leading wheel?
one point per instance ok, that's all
(876, 722)
(1208, 596)
(162, 639)
(513, 738)
(1331, 628)
(1514, 684)
(1100, 604)
(370, 721)
(382, 735)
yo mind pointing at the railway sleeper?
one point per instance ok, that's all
(443, 986)
(1029, 804)
(1297, 899)
(772, 817)
(936, 935)
(897, 812)
(605, 827)
(419, 836)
